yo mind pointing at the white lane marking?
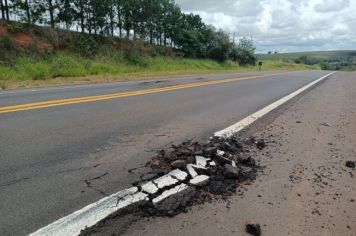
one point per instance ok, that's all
(229, 131)
(95, 212)
(91, 214)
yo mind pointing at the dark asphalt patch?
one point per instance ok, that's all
(229, 164)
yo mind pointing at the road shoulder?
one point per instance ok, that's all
(306, 188)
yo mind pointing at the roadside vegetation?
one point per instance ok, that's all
(62, 41)
(326, 60)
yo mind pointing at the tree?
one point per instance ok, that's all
(66, 13)
(79, 13)
(244, 52)
(127, 16)
(302, 60)
(6, 7)
(188, 42)
(22, 9)
(2, 10)
(118, 4)
(49, 6)
(220, 47)
(246, 44)
(159, 22)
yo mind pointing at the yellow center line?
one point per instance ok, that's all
(67, 101)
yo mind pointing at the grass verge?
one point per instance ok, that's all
(65, 68)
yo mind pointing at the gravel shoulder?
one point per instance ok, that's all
(306, 189)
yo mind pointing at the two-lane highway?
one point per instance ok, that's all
(63, 148)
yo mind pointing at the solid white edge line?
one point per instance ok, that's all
(229, 131)
(90, 215)
(97, 211)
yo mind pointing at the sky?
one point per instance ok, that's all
(282, 25)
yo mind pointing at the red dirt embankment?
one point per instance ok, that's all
(25, 39)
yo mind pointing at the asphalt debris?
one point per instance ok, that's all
(253, 228)
(225, 162)
(351, 164)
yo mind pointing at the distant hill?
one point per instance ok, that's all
(330, 56)
(327, 60)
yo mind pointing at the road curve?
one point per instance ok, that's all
(55, 160)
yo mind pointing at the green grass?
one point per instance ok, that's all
(66, 68)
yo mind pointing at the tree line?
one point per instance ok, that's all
(159, 22)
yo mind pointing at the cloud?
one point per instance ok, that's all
(332, 5)
(283, 25)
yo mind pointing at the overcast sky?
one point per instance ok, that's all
(283, 25)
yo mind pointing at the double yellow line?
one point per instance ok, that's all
(68, 101)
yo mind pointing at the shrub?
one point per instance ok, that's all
(86, 45)
(64, 65)
(301, 60)
(32, 49)
(15, 27)
(9, 49)
(324, 65)
(245, 57)
(136, 58)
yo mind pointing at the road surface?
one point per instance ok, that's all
(306, 189)
(57, 156)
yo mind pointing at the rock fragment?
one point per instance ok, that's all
(151, 175)
(220, 153)
(253, 228)
(191, 171)
(245, 171)
(199, 180)
(261, 144)
(350, 164)
(165, 181)
(178, 174)
(173, 198)
(231, 172)
(212, 163)
(201, 161)
(150, 188)
(178, 164)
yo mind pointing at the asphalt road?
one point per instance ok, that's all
(55, 160)
(306, 189)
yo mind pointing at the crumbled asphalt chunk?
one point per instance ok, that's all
(152, 175)
(261, 144)
(350, 164)
(224, 178)
(231, 172)
(178, 164)
(253, 228)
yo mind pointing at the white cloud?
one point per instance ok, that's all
(332, 5)
(284, 25)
